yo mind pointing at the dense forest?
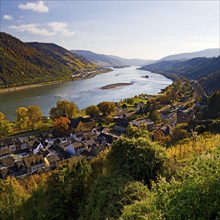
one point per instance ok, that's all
(205, 70)
(22, 64)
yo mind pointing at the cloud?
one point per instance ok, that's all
(54, 28)
(60, 27)
(33, 29)
(7, 17)
(39, 7)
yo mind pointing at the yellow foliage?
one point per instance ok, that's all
(193, 147)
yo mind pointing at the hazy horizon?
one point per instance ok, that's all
(129, 29)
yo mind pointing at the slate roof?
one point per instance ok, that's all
(60, 152)
(122, 122)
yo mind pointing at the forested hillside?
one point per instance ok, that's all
(21, 64)
(205, 70)
(73, 61)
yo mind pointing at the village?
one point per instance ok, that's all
(34, 152)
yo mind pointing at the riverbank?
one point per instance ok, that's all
(115, 85)
(16, 88)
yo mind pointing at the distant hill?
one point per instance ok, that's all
(110, 60)
(204, 70)
(71, 60)
(22, 64)
(214, 52)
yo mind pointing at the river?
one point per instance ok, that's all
(85, 92)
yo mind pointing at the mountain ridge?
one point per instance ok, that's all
(211, 52)
(110, 60)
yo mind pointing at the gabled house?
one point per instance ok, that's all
(121, 124)
(141, 121)
(89, 135)
(4, 151)
(34, 163)
(36, 147)
(7, 161)
(20, 168)
(62, 154)
(81, 124)
(89, 143)
(24, 145)
(48, 143)
(51, 160)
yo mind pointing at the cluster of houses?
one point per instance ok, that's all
(21, 156)
(84, 73)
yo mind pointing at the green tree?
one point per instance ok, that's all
(124, 106)
(179, 133)
(193, 193)
(5, 126)
(12, 195)
(135, 132)
(155, 115)
(108, 196)
(200, 179)
(130, 101)
(67, 189)
(35, 206)
(61, 126)
(141, 210)
(213, 110)
(64, 108)
(140, 158)
(22, 117)
(92, 111)
(106, 107)
(34, 115)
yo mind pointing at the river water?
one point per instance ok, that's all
(85, 92)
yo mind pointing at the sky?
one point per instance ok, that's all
(130, 29)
